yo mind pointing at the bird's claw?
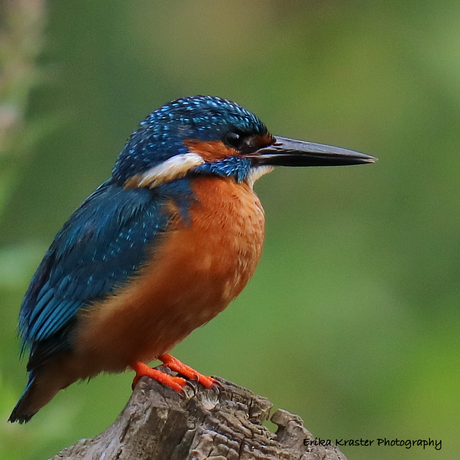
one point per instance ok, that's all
(177, 366)
(142, 370)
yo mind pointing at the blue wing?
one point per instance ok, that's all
(102, 244)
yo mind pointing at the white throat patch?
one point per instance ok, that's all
(256, 173)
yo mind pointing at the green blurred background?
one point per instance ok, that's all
(352, 319)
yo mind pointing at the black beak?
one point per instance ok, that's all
(291, 152)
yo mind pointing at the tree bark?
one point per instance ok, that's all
(227, 424)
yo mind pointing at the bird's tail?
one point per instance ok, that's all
(37, 393)
(22, 412)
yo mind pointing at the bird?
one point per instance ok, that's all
(157, 250)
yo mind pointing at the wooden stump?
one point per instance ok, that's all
(158, 423)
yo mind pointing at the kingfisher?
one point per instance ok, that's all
(157, 250)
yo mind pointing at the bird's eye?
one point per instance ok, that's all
(234, 140)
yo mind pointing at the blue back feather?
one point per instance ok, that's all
(99, 249)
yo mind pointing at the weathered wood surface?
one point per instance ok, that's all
(158, 423)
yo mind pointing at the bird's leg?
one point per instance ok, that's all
(175, 365)
(142, 370)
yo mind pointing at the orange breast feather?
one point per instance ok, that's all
(195, 272)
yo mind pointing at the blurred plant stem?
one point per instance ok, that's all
(22, 24)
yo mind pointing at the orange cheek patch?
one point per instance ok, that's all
(217, 150)
(211, 150)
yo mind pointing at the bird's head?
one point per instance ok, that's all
(205, 135)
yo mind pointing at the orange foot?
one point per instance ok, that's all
(142, 370)
(176, 383)
(182, 369)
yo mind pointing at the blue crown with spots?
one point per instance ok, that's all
(160, 136)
